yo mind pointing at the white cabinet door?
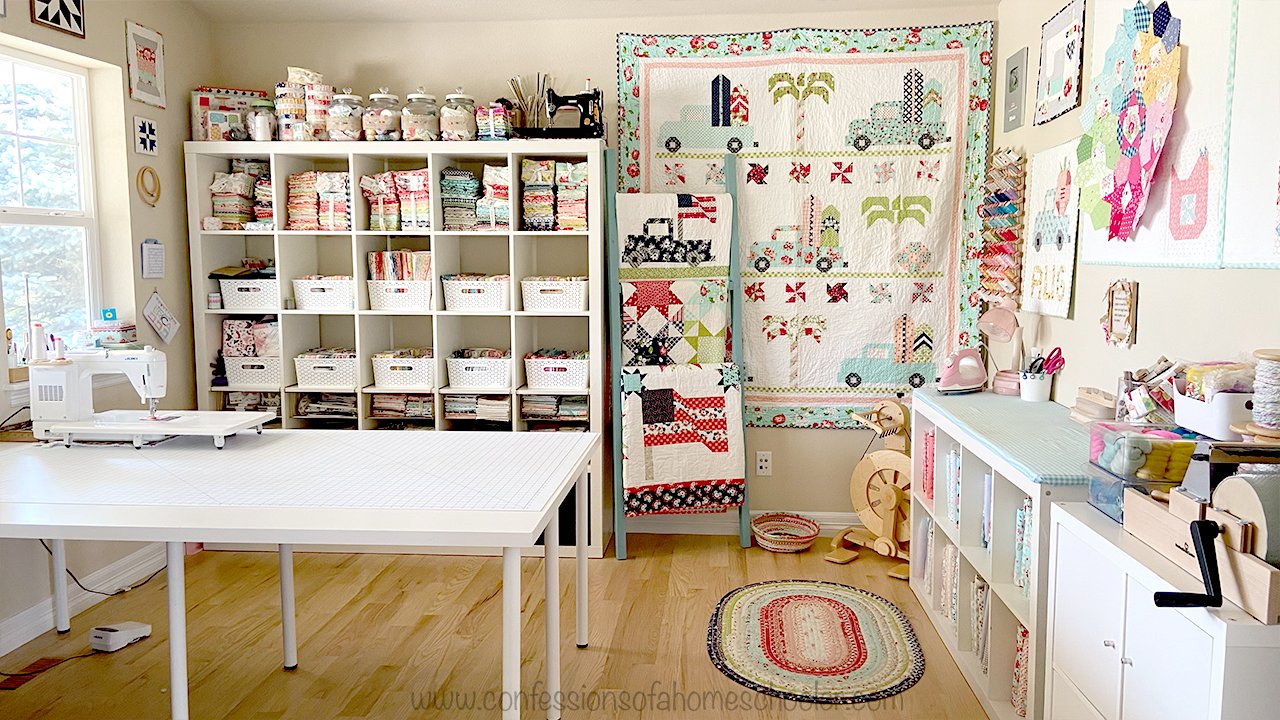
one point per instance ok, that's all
(1088, 622)
(1166, 660)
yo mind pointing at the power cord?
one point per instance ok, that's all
(14, 415)
(100, 592)
(46, 668)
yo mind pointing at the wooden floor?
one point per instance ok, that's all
(379, 634)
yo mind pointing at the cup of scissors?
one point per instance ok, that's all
(1036, 383)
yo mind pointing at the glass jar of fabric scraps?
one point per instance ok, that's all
(262, 120)
(346, 116)
(382, 116)
(421, 118)
(458, 117)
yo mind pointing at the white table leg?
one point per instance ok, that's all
(551, 557)
(61, 612)
(288, 619)
(176, 555)
(580, 493)
(510, 633)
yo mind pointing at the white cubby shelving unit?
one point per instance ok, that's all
(514, 252)
(1032, 450)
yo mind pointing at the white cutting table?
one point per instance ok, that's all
(318, 487)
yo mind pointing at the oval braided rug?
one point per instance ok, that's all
(814, 641)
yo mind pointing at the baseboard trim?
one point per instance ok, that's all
(727, 523)
(36, 620)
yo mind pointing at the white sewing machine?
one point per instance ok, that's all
(62, 402)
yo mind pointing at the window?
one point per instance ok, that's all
(48, 231)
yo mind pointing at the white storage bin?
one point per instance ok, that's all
(412, 295)
(556, 373)
(1214, 418)
(404, 372)
(477, 294)
(554, 295)
(325, 294)
(479, 372)
(327, 373)
(250, 294)
(253, 371)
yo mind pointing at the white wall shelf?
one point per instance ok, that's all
(1031, 450)
(296, 253)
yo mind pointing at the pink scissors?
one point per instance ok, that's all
(1050, 363)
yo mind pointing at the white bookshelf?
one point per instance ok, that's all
(1032, 450)
(516, 253)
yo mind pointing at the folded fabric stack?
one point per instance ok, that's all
(413, 190)
(384, 204)
(481, 352)
(251, 166)
(493, 122)
(557, 354)
(493, 211)
(402, 406)
(317, 99)
(459, 191)
(571, 196)
(326, 353)
(302, 203)
(460, 407)
(252, 401)
(496, 408)
(291, 111)
(313, 404)
(538, 194)
(263, 199)
(400, 265)
(572, 408)
(408, 352)
(232, 199)
(333, 197)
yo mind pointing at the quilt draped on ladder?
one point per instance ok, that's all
(682, 432)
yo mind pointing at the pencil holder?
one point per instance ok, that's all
(1035, 387)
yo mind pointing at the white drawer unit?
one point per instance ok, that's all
(1114, 655)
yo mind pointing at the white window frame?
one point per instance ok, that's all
(87, 216)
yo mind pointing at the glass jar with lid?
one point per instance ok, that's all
(458, 117)
(382, 116)
(346, 116)
(262, 120)
(421, 117)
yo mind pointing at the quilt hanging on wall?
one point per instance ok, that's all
(1049, 247)
(1152, 178)
(860, 157)
(682, 432)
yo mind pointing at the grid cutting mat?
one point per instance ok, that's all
(311, 469)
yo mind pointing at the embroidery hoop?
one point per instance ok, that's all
(148, 184)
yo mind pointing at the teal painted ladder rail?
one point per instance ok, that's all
(614, 311)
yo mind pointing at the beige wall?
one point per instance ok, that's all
(125, 219)
(811, 468)
(1186, 313)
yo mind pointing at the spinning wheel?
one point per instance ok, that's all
(879, 490)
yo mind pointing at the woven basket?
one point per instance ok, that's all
(250, 294)
(554, 295)
(784, 532)
(412, 295)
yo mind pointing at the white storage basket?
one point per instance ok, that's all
(325, 294)
(418, 373)
(257, 372)
(250, 294)
(477, 294)
(326, 373)
(556, 373)
(554, 295)
(479, 372)
(400, 295)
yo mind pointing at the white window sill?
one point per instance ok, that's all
(20, 392)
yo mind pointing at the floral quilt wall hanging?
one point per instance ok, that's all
(860, 158)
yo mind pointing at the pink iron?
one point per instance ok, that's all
(962, 372)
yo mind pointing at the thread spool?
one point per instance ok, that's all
(1266, 389)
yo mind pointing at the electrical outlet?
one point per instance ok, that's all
(764, 463)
